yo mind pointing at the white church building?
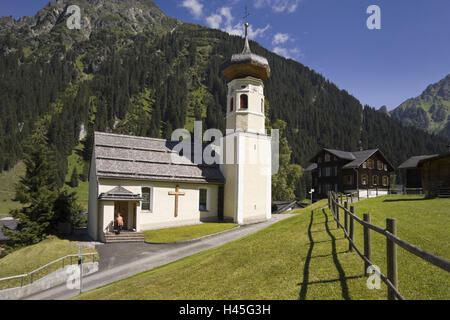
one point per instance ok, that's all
(153, 187)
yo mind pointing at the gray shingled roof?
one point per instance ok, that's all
(356, 158)
(359, 158)
(120, 193)
(140, 158)
(414, 161)
(341, 154)
(311, 167)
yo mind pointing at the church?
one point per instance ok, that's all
(153, 186)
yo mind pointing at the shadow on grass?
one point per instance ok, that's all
(342, 277)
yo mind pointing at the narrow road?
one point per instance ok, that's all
(122, 260)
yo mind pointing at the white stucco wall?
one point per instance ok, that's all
(248, 181)
(162, 210)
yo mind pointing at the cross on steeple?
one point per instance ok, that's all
(247, 14)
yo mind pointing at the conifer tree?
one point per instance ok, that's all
(37, 191)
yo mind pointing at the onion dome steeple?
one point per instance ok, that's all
(246, 64)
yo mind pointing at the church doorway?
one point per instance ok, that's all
(128, 212)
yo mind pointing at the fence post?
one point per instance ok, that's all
(346, 216)
(337, 216)
(391, 252)
(367, 246)
(352, 225)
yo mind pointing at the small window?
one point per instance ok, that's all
(327, 171)
(203, 199)
(244, 101)
(375, 180)
(364, 179)
(319, 160)
(370, 164)
(385, 181)
(380, 165)
(232, 105)
(385, 167)
(365, 165)
(320, 172)
(327, 158)
(146, 196)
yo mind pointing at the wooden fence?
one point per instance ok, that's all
(336, 204)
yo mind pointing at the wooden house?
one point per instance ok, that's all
(436, 175)
(366, 172)
(411, 174)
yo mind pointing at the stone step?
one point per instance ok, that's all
(111, 237)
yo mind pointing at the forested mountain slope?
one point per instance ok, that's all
(131, 69)
(430, 111)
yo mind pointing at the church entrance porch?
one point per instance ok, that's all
(128, 212)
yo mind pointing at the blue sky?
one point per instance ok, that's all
(379, 67)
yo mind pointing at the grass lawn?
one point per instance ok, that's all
(303, 257)
(316, 205)
(32, 257)
(186, 233)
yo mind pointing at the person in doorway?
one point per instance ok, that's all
(119, 221)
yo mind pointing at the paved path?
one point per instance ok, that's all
(122, 260)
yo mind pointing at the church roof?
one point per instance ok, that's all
(140, 158)
(246, 64)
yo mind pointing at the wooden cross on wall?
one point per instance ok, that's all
(177, 193)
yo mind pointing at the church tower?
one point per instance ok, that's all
(247, 149)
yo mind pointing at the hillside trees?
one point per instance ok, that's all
(38, 191)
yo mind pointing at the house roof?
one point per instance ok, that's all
(356, 158)
(140, 158)
(311, 167)
(413, 162)
(120, 193)
(341, 154)
(10, 224)
(360, 157)
(435, 157)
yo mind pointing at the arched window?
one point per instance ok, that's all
(231, 104)
(262, 105)
(244, 101)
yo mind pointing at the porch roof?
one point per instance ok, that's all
(120, 193)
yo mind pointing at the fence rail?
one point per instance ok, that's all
(31, 274)
(335, 203)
